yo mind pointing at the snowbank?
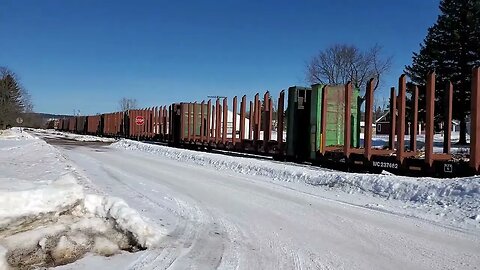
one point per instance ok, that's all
(71, 136)
(18, 208)
(48, 222)
(16, 134)
(126, 218)
(462, 194)
(57, 223)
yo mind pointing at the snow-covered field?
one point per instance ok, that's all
(225, 212)
(46, 217)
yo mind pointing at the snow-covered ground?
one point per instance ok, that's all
(46, 217)
(228, 212)
(51, 133)
(381, 141)
(454, 201)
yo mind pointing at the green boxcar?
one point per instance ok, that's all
(335, 118)
(304, 120)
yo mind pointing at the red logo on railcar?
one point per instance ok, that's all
(139, 120)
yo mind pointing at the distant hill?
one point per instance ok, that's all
(48, 115)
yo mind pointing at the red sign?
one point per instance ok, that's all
(139, 120)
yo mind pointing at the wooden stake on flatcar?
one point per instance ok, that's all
(225, 121)
(167, 122)
(234, 121)
(209, 115)
(402, 89)
(475, 121)
(130, 131)
(202, 123)
(324, 120)
(256, 106)
(160, 122)
(218, 123)
(430, 107)
(267, 121)
(414, 129)
(155, 121)
(251, 120)
(170, 122)
(195, 117)
(447, 129)
(367, 139)
(270, 116)
(259, 118)
(214, 123)
(243, 112)
(393, 118)
(189, 121)
(348, 120)
(280, 119)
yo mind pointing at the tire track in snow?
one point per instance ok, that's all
(280, 255)
(183, 234)
(187, 241)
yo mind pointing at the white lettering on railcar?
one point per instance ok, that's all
(383, 164)
(448, 168)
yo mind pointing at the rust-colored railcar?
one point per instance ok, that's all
(256, 126)
(93, 124)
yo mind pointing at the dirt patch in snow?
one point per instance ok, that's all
(57, 224)
(65, 241)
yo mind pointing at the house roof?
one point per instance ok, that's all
(383, 117)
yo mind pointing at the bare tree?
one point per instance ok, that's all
(341, 63)
(127, 104)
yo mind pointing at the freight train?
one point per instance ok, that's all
(319, 125)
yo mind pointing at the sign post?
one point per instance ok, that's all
(19, 120)
(139, 121)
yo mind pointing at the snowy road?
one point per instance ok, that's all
(231, 221)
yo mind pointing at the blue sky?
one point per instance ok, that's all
(86, 55)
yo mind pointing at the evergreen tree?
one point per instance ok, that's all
(451, 49)
(11, 99)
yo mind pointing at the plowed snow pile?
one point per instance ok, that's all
(46, 222)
